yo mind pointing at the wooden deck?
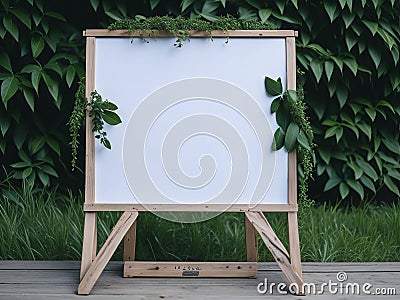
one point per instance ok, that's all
(59, 279)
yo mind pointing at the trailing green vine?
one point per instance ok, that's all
(294, 132)
(100, 111)
(180, 26)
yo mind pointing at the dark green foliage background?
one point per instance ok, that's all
(349, 51)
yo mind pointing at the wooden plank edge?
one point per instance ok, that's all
(93, 207)
(190, 269)
(192, 33)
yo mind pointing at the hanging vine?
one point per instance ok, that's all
(100, 111)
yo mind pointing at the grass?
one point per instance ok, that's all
(37, 224)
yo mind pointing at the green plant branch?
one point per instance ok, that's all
(180, 26)
(294, 133)
(100, 111)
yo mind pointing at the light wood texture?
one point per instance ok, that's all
(190, 269)
(89, 247)
(130, 243)
(58, 280)
(291, 84)
(275, 246)
(92, 207)
(106, 252)
(294, 241)
(251, 241)
(192, 33)
(89, 162)
(89, 242)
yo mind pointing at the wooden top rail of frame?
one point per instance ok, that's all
(192, 33)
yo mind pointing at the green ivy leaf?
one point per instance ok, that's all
(106, 143)
(282, 117)
(154, 3)
(393, 173)
(279, 139)
(108, 105)
(325, 155)
(316, 67)
(275, 104)
(372, 26)
(37, 46)
(344, 189)
(273, 87)
(303, 141)
(22, 16)
(8, 88)
(291, 136)
(11, 27)
(35, 79)
(5, 122)
(358, 172)
(365, 128)
(371, 113)
(37, 144)
(111, 117)
(70, 75)
(331, 183)
(348, 18)
(5, 61)
(54, 145)
(368, 183)
(391, 185)
(27, 173)
(328, 69)
(95, 4)
(352, 64)
(264, 14)
(330, 8)
(375, 54)
(52, 85)
(49, 170)
(355, 185)
(367, 169)
(44, 178)
(29, 98)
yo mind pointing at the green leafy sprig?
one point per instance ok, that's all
(180, 26)
(294, 132)
(100, 111)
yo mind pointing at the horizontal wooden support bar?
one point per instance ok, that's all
(192, 33)
(190, 269)
(92, 207)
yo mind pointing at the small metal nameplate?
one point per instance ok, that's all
(190, 273)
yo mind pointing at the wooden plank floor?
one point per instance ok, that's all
(59, 280)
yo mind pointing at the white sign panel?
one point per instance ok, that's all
(196, 124)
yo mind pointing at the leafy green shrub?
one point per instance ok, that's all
(40, 57)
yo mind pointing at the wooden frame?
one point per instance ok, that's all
(93, 263)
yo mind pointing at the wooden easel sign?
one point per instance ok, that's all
(195, 141)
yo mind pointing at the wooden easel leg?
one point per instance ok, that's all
(251, 241)
(276, 247)
(89, 242)
(294, 243)
(97, 266)
(130, 243)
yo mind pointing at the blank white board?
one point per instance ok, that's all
(196, 124)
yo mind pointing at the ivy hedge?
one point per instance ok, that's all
(348, 50)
